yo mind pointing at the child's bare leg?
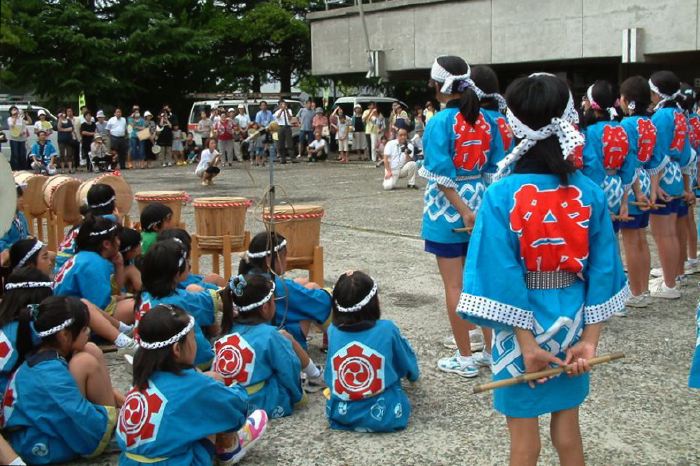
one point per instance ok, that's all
(524, 441)
(216, 279)
(566, 437)
(91, 375)
(488, 334)
(7, 454)
(194, 288)
(301, 353)
(124, 311)
(451, 272)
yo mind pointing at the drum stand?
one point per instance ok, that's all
(229, 245)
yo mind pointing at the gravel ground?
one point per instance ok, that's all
(640, 410)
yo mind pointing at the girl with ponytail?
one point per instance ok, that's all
(457, 147)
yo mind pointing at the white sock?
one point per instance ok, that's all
(465, 359)
(124, 328)
(122, 340)
(311, 370)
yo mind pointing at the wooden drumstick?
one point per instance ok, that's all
(644, 204)
(542, 374)
(462, 230)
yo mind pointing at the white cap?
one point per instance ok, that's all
(100, 114)
(231, 109)
(147, 113)
(241, 106)
(357, 106)
(41, 112)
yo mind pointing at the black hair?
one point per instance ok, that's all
(161, 265)
(179, 234)
(636, 89)
(55, 310)
(20, 249)
(469, 102)
(256, 288)
(13, 307)
(668, 83)
(100, 194)
(688, 98)
(159, 324)
(261, 242)
(128, 239)
(485, 79)
(153, 216)
(349, 290)
(603, 95)
(20, 190)
(535, 101)
(93, 231)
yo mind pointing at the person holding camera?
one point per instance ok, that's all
(398, 162)
(17, 124)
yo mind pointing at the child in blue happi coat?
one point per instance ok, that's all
(24, 286)
(164, 266)
(19, 229)
(60, 404)
(130, 249)
(300, 303)
(266, 361)
(686, 222)
(211, 281)
(175, 414)
(101, 201)
(543, 270)
(367, 358)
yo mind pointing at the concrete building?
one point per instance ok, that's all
(581, 39)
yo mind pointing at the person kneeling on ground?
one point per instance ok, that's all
(398, 162)
(207, 168)
(317, 148)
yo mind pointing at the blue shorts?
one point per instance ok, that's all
(638, 222)
(671, 207)
(447, 250)
(683, 210)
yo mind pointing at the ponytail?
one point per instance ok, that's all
(469, 105)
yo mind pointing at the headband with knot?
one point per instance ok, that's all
(266, 252)
(257, 304)
(36, 248)
(596, 106)
(170, 341)
(102, 204)
(358, 307)
(664, 97)
(441, 75)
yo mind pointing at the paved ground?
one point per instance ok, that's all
(640, 410)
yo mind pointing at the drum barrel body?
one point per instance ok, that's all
(122, 190)
(301, 226)
(33, 187)
(59, 196)
(216, 217)
(173, 199)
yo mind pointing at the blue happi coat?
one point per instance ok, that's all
(457, 155)
(641, 134)
(261, 360)
(530, 222)
(68, 246)
(87, 275)
(364, 368)
(694, 378)
(169, 422)
(201, 305)
(606, 161)
(671, 155)
(9, 354)
(19, 229)
(196, 279)
(46, 418)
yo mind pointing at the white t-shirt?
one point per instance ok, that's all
(397, 158)
(243, 121)
(342, 129)
(317, 144)
(117, 127)
(282, 119)
(205, 159)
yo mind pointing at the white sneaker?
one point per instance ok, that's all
(664, 292)
(634, 301)
(483, 359)
(657, 272)
(476, 341)
(654, 282)
(313, 384)
(455, 364)
(681, 281)
(691, 266)
(621, 313)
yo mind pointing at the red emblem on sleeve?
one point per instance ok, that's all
(235, 359)
(680, 131)
(58, 279)
(141, 415)
(615, 147)
(647, 139)
(358, 372)
(473, 143)
(552, 226)
(694, 131)
(506, 132)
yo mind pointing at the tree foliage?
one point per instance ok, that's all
(151, 51)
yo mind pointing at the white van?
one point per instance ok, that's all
(5, 114)
(252, 107)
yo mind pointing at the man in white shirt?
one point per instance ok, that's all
(317, 148)
(240, 131)
(398, 162)
(117, 136)
(285, 143)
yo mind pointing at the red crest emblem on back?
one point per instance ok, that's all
(615, 146)
(552, 227)
(358, 372)
(473, 143)
(680, 131)
(235, 359)
(647, 139)
(141, 415)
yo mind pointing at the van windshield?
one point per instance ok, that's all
(197, 110)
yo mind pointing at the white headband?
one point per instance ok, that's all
(441, 75)
(170, 341)
(103, 232)
(596, 106)
(265, 253)
(27, 285)
(36, 248)
(362, 303)
(664, 97)
(102, 204)
(56, 329)
(563, 127)
(250, 307)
